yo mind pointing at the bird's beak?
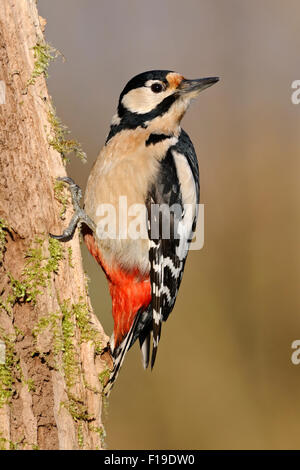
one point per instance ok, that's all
(193, 87)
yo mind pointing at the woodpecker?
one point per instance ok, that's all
(149, 160)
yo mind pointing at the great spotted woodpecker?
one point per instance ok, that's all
(151, 161)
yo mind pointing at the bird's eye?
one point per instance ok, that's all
(156, 87)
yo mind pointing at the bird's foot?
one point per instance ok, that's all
(79, 215)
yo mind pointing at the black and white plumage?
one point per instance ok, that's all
(177, 190)
(149, 159)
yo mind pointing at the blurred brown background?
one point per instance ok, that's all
(224, 377)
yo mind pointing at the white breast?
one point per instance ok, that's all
(124, 168)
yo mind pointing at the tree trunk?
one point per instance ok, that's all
(52, 359)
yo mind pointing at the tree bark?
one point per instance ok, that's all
(52, 375)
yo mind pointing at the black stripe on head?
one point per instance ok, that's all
(140, 80)
(156, 138)
(131, 120)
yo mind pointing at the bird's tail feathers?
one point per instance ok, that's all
(141, 328)
(119, 353)
(145, 349)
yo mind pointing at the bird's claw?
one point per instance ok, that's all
(79, 215)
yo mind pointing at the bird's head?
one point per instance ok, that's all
(157, 99)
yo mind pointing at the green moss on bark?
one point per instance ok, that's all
(43, 55)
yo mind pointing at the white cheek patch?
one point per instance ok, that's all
(142, 100)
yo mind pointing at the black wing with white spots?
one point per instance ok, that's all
(166, 208)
